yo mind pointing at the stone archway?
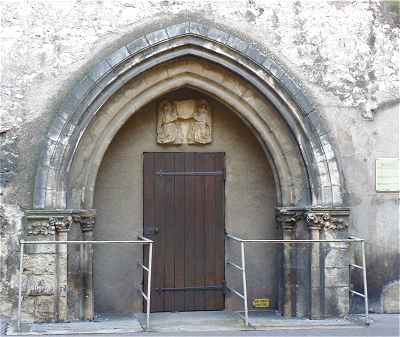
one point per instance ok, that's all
(305, 167)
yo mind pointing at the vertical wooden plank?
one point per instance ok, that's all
(168, 234)
(179, 233)
(190, 237)
(199, 259)
(158, 261)
(220, 229)
(210, 224)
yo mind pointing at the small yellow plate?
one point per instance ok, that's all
(261, 303)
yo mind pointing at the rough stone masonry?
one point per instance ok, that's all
(343, 54)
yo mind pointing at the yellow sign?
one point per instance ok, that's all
(262, 303)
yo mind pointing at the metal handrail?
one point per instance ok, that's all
(142, 241)
(350, 239)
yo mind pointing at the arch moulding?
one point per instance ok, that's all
(53, 188)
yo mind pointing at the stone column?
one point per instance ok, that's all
(329, 263)
(336, 260)
(61, 225)
(87, 222)
(287, 219)
(314, 225)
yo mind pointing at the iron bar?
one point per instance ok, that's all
(246, 311)
(21, 256)
(144, 295)
(183, 173)
(355, 266)
(364, 271)
(144, 267)
(235, 265)
(149, 283)
(236, 292)
(206, 288)
(291, 241)
(357, 293)
(84, 242)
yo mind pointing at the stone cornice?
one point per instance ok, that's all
(42, 213)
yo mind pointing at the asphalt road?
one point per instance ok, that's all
(383, 325)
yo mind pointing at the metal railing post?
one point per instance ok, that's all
(364, 280)
(149, 286)
(246, 311)
(21, 259)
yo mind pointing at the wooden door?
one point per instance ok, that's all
(183, 212)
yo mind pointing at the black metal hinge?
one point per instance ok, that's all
(189, 173)
(220, 287)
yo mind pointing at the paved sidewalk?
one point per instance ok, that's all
(226, 325)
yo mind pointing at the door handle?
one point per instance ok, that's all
(151, 230)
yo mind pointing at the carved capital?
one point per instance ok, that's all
(61, 224)
(317, 220)
(86, 222)
(288, 218)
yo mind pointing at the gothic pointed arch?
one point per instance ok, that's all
(296, 142)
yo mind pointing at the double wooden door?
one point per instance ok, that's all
(183, 212)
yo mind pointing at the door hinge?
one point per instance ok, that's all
(190, 173)
(220, 287)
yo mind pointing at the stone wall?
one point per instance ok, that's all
(343, 53)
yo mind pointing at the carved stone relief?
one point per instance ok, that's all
(184, 122)
(327, 221)
(41, 228)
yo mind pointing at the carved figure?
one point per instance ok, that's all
(167, 130)
(200, 130)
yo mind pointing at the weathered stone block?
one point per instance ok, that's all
(391, 298)
(44, 307)
(255, 54)
(336, 301)
(337, 257)
(137, 45)
(157, 36)
(275, 69)
(99, 70)
(337, 277)
(237, 43)
(197, 28)
(81, 89)
(118, 56)
(179, 29)
(40, 264)
(217, 35)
